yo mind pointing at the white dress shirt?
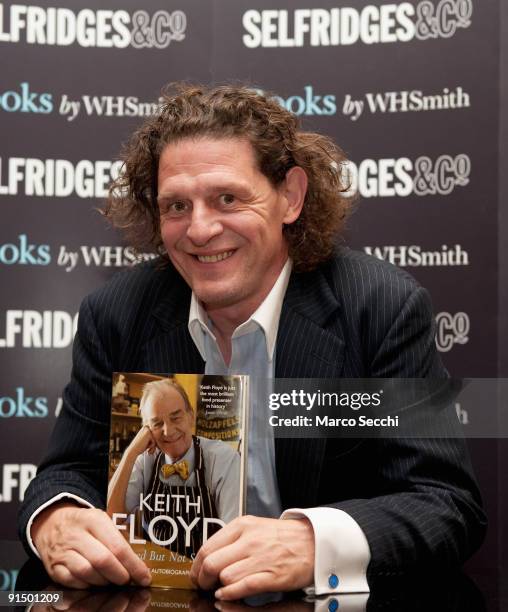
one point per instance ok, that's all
(342, 553)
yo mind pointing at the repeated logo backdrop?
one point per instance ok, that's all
(410, 90)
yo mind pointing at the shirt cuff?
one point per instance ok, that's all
(342, 552)
(53, 500)
(356, 602)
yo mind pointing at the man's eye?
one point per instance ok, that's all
(227, 199)
(173, 209)
(177, 207)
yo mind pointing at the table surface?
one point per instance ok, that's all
(455, 592)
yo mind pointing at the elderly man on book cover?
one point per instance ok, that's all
(170, 475)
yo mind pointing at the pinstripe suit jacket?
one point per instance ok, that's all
(416, 500)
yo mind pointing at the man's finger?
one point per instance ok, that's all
(104, 561)
(104, 531)
(250, 585)
(240, 568)
(82, 569)
(224, 537)
(215, 563)
(59, 573)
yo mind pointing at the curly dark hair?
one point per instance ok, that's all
(228, 111)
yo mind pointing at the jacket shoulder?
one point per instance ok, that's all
(137, 282)
(121, 310)
(380, 303)
(356, 273)
(363, 285)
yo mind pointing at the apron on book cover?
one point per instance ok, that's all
(163, 530)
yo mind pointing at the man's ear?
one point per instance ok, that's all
(294, 189)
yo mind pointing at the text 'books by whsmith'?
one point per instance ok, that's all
(176, 465)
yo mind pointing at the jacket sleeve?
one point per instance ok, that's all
(424, 507)
(76, 460)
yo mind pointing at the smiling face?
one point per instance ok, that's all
(221, 222)
(170, 422)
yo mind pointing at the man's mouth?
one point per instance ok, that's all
(172, 440)
(214, 258)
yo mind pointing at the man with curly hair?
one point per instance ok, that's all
(244, 209)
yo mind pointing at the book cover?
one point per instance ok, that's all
(176, 465)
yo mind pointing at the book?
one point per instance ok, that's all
(177, 460)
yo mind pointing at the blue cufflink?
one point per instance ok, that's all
(333, 605)
(333, 581)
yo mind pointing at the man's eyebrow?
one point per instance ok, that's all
(230, 186)
(164, 197)
(242, 187)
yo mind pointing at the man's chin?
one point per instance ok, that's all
(217, 298)
(175, 452)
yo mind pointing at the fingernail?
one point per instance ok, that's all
(146, 581)
(218, 605)
(218, 594)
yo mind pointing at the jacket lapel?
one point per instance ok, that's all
(310, 341)
(171, 348)
(310, 344)
(173, 352)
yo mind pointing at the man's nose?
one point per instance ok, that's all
(205, 224)
(167, 429)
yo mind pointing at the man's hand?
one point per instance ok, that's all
(255, 555)
(81, 547)
(141, 442)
